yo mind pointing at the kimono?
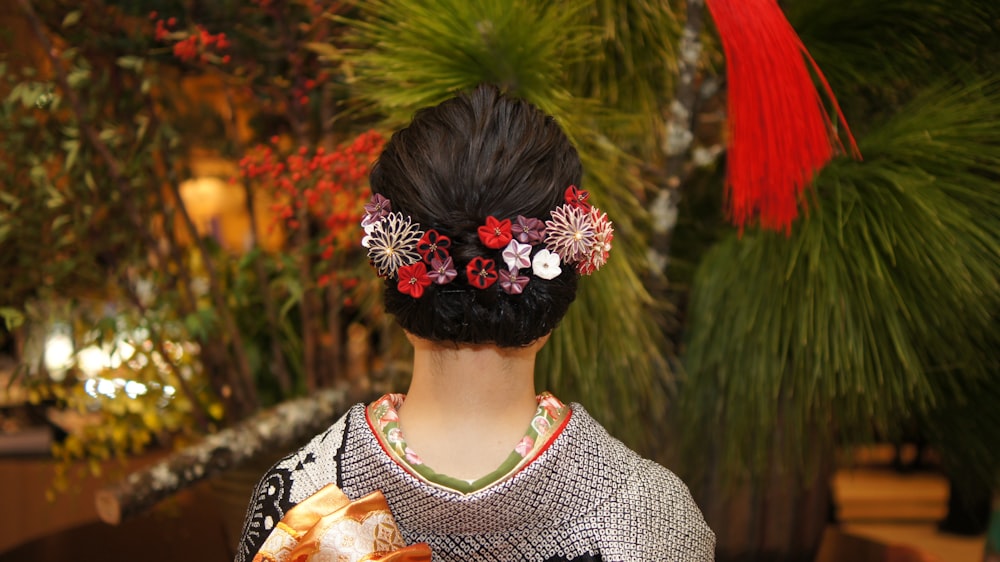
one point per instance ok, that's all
(570, 492)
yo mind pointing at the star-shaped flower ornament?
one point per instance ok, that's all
(377, 208)
(517, 255)
(512, 282)
(495, 233)
(528, 230)
(442, 271)
(413, 279)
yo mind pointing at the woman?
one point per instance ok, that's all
(481, 236)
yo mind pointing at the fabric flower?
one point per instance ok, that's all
(481, 272)
(393, 244)
(512, 282)
(524, 446)
(442, 271)
(577, 198)
(570, 233)
(413, 279)
(433, 245)
(517, 255)
(545, 264)
(604, 233)
(376, 209)
(528, 230)
(495, 234)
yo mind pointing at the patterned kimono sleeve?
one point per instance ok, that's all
(270, 501)
(659, 520)
(288, 482)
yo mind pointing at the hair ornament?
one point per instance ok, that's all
(495, 233)
(577, 198)
(604, 233)
(545, 264)
(481, 272)
(512, 282)
(375, 210)
(570, 233)
(528, 230)
(517, 255)
(433, 245)
(577, 234)
(443, 271)
(413, 279)
(392, 243)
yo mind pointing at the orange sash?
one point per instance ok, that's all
(330, 526)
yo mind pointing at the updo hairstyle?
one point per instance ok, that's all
(476, 155)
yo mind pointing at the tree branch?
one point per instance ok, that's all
(680, 135)
(280, 428)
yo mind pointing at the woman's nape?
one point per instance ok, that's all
(468, 404)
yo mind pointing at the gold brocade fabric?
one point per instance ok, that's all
(328, 526)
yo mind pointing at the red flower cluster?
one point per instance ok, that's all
(330, 187)
(198, 45)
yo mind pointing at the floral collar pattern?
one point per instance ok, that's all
(549, 420)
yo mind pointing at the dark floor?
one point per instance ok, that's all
(185, 528)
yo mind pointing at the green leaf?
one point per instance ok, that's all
(326, 51)
(11, 201)
(72, 18)
(72, 148)
(131, 62)
(78, 77)
(61, 221)
(12, 317)
(39, 176)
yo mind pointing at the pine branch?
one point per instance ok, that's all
(279, 428)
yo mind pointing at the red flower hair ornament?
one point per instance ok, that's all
(481, 272)
(413, 279)
(577, 234)
(495, 233)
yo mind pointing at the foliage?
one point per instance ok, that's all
(873, 310)
(99, 128)
(883, 53)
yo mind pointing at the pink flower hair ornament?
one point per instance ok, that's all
(577, 235)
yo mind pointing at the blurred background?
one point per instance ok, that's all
(184, 299)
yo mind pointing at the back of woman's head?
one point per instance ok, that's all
(478, 155)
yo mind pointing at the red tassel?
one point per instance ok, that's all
(780, 134)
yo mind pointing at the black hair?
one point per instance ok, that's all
(479, 154)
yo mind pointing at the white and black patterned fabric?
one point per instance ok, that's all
(587, 498)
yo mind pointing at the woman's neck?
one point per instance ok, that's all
(468, 406)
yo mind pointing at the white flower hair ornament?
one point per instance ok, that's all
(577, 234)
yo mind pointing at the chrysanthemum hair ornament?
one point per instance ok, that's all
(577, 235)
